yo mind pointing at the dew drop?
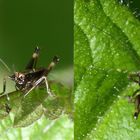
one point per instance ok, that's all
(125, 2)
(118, 96)
(107, 75)
(127, 22)
(119, 70)
(116, 88)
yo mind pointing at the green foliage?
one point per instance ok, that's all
(106, 50)
(27, 111)
(60, 129)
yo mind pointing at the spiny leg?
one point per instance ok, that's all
(136, 97)
(7, 105)
(37, 83)
(4, 86)
(52, 64)
(47, 87)
(33, 61)
(132, 77)
(139, 80)
(138, 90)
(137, 106)
(4, 89)
(131, 98)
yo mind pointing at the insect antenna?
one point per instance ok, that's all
(5, 65)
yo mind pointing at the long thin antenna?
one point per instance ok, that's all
(5, 65)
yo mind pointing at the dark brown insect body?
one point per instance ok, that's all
(135, 98)
(25, 80)
(29, 79)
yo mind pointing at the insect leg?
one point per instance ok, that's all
(37, 83)
(136, 114)
(33, 61)
(8, 108)
(137, 106)
(132, 98)
(139, 80)
(4, 86)
(132, 77)
(4, 89)
(52, 64)
(134, 94)
(47, 87)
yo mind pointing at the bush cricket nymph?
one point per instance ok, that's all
(31, 77)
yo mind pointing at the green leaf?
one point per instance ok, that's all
(26, 110)
(62, 103)
(106, 49)
(31, 108)
(43, 128)
(42, 117)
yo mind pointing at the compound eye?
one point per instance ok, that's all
(21, 76)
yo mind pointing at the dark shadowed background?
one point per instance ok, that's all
(134, 6)
(30, 23)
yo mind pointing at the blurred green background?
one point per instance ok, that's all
(30, 23)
